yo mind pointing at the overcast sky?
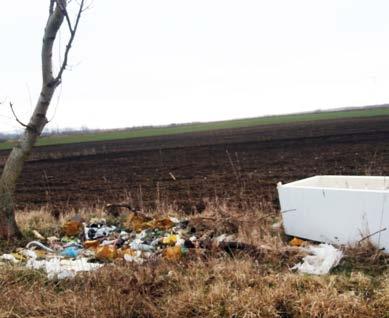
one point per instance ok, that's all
(159, 62)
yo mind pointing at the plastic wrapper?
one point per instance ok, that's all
(106, 253)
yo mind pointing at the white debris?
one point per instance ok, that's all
(29, 254)
(180, 242)
(224, 238)
(38, 235)
(9, 258)
(220, 238)
(174, 219)
(323, 257)
(40, 245)
(137, 258)
(62, 268)
(277, 226)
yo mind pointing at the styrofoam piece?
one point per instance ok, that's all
(337, 209)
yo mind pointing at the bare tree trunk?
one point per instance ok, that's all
(19, 154)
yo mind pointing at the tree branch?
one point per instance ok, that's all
(69, 45)
(65, 13)
(17, 119)
(370, 235)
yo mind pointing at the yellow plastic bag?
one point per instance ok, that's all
(170, 240)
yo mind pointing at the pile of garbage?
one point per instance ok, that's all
(88, 246)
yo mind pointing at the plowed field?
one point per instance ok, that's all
(239, 165)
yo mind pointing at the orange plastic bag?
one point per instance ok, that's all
(138, 222)
(296, 242)
(91, 244)
(73, 227)
(126, 251)
(172, 253)
(106, 253)
(162, 224)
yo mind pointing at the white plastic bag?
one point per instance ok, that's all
(322, 259)
(62, 268)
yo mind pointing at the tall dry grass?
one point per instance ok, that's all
(208, 284)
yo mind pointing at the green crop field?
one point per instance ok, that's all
(198, 127)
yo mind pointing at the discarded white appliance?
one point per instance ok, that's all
(337, 209)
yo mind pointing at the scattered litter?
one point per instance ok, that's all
(174, 253)
(170, 240)
(277, 226)
(71, 252)
(106, 253)
(296, 242)
(9, 258)
(224, 238)
(40, 245)
(28, 254)
(73, 226)
(86, 246)
(133, 256)
(38, 235)
(89, 245)
(322, 259)
(98, 229)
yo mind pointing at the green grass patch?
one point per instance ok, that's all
(209, 126)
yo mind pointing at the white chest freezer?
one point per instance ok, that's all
(337, 209)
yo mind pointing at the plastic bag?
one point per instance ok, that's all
(106, 253)
(73, 226)
(322, 259)
(174, 253)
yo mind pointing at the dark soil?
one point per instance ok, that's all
(239, 165)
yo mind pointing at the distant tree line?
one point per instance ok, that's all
(86, 130)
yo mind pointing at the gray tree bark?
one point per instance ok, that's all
(19, 154)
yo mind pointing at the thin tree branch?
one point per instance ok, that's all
(65, 13)
(69, 45)
(88, 7)
(16, 117)
(370, 235)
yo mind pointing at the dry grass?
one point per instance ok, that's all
(204, 285)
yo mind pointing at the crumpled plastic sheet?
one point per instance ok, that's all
(40, 245)
(57, 268)
(322, 259)
(8, 257)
